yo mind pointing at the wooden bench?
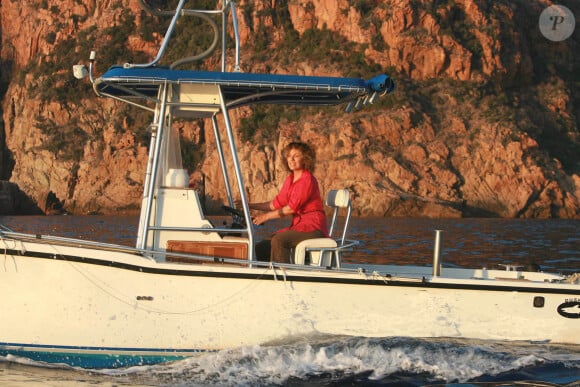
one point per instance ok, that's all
(217, 250)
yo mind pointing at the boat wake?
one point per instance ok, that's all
(353, 361)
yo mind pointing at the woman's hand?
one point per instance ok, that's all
(260, 219)
(274, 214)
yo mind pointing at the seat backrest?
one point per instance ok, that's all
(323, 251)
(339, 198)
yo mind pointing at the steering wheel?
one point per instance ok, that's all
(238, 218)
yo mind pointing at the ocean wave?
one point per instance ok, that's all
(384, 361)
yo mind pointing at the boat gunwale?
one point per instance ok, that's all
(294, 273)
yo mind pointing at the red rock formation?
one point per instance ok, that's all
(473, 129)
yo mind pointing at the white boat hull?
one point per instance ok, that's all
(79, 300)
(99, 305)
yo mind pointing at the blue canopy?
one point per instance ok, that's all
(243, 88)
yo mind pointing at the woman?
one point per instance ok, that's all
(298, 197)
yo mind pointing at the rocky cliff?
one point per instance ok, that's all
(485, 120)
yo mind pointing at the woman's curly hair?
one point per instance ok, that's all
(308, 155)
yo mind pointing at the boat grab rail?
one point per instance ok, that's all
(335, 251)
(70, 242)
(81, 243)
(149, 254)
(4, 228)
(199, 229)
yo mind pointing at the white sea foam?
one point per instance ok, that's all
(377, 359)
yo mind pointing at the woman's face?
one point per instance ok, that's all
(295, 160)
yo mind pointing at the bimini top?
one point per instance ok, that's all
(237, 88)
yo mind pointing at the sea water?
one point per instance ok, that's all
(337, 361)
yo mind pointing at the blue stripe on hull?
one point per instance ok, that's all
(94, 357)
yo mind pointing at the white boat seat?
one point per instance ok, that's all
(327, 252)
(317, 247)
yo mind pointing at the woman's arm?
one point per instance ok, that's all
(265, 206)
(273, 214)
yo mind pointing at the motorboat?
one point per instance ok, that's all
(190, 286)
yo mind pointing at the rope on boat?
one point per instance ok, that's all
(5, 254)
(6, 247)
(129, 300)
(384, 278)
(574, 278)
(22, 248)
(274, 272)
